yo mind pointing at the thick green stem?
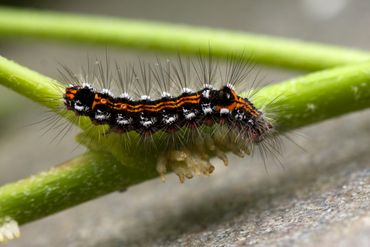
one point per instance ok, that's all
(79, 180)
(173, 38)
(300, 102)
(318, 96)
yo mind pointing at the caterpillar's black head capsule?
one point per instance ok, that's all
(79, 99)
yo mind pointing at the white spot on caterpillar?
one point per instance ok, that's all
(125, 95)
(165, 95)
(207, 86)
(206, 108)
(146, 124)
(9, 229)
(224, 111)
(79, 107)
(239, 116)
(146, 121)
(145, 97)
(107, 91)
(87, 85)
(169, 119)
(100, 115)
(121, 120)
(206, 94)
(188, 114)
(187, 90)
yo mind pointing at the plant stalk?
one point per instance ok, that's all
(164, 37)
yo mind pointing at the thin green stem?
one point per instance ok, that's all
(300, 102)
(31, 84)
(174, 38)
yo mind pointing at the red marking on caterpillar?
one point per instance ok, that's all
(197, 121)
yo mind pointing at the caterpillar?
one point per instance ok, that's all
(194, 123)
(190, 109)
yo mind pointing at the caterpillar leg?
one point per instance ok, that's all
(189, 162)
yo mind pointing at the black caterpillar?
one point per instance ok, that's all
(190, 109)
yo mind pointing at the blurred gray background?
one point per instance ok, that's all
(319, 197)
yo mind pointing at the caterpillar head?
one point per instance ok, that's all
(79, 99)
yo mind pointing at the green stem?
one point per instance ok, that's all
(31, 84)
(79, 180)
(301, 101)
(318, 96)
(174, 38)
(35, 86)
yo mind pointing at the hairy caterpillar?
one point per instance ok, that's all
(192, 107)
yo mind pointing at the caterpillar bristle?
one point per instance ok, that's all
(188, 110)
